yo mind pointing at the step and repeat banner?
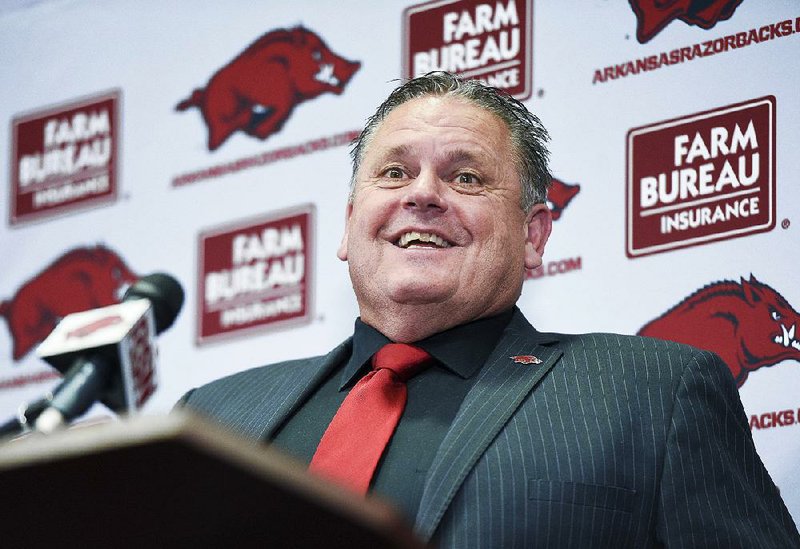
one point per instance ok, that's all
(209, 140)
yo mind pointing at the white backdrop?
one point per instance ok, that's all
(153, 54)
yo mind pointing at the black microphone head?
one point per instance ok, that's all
(165, 294)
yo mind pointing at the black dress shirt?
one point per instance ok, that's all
(434, 397)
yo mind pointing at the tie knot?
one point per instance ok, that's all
(404, 360)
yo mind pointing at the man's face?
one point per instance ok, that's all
(436, 216)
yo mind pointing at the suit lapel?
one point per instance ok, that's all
(500, 388)
(261, 420)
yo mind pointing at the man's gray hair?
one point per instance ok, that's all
(528, 135)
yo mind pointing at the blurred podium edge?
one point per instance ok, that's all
(175, 480)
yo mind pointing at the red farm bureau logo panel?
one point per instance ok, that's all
(64, 158)
(256, 274)
(487, 41)
(701, 178)
(258, 90)
(653, 15)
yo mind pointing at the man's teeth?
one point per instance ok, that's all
(410, 237)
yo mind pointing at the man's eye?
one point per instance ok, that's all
(467, 179)
(394, 173)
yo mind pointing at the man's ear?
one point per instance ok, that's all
(538, 224)
(341, 253)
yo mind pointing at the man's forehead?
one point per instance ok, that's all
(467, 130)
(456, 153)
(441, 107)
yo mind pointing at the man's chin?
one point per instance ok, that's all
(419, 292)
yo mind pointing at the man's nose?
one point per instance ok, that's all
(426, 192)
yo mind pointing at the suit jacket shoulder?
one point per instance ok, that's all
(639, 359)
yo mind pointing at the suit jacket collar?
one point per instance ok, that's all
(502, 385)
(261, 419)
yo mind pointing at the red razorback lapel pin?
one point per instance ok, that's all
(526, 359)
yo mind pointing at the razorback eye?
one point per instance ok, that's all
(316, 55)
(775, 315)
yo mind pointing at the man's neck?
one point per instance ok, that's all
(409, 323)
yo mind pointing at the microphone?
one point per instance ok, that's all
(109, 354)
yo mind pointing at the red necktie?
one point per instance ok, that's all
(359, 432)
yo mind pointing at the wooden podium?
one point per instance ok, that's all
(177, 481)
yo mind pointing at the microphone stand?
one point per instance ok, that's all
(27, 414)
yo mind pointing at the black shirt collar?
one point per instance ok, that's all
(462, 349)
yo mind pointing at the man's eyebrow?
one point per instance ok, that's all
(397, 151)
(461, 156)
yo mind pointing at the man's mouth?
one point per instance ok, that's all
(424, 240)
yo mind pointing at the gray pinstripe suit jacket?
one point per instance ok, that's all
(612, 441)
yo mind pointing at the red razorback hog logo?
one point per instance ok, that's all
(653, 15)
(559, 195)
(81, 279)
(748, 324)
(257, 91)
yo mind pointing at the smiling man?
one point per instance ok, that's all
(437, 233)
(483, 431)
